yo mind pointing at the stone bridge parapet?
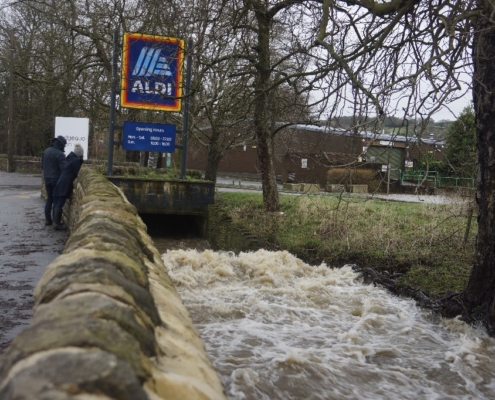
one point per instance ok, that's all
(108, 322)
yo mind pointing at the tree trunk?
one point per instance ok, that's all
(213, 160)
(159, 160)
(268, 179)
(265, 147)
(132, 156)
(479, 293)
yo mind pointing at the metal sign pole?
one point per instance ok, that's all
(185, 123)
(388, 178)
(111, 130)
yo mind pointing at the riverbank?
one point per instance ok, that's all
(428, 246)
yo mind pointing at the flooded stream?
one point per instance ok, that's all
(277, 328)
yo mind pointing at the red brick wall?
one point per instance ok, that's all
(291, 146)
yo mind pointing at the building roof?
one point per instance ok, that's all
(367, 134)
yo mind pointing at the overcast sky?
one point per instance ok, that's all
(456, 107)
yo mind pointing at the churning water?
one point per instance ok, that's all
(277, 328)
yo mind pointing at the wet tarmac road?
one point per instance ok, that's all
(26, 248)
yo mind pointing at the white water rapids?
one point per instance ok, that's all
(277, 328)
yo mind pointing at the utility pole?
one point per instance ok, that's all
(111, 129)
(10, 139)
(185, 124)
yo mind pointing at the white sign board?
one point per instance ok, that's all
(304, 163)
(74, 130)
(384, 168)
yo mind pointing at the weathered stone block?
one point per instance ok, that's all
(60, 276)
(100, 306)
(115, 292)
(78, 331)
(357, 188)
(335, 188)
(310, 188)
(65, 373)
(295, 187)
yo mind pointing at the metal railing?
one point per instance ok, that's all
(443, 182)
(433, 178)
(420, 176)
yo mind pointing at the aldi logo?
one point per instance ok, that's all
(150, 62)
(152, 72)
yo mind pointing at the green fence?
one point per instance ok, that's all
(433, 178)
(418, 177)
(449, 181)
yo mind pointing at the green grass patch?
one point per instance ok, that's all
(426, 242)
(439, 279)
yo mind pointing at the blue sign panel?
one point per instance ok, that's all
(152, 72)
(140, 136)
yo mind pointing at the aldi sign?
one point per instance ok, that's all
(152, 72)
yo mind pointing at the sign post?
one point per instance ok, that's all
(151, 79)
(185, 124)
(113, 95)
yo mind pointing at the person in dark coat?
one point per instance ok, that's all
(63, 189)
(52, 163)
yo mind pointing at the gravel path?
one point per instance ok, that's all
(415, 198)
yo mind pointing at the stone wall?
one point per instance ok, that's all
(108, 322)
(32, 165)
(22, 164)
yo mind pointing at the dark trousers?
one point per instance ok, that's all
(50, 187)
(59, 202)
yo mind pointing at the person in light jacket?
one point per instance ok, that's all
(52, 163)
(63, 189)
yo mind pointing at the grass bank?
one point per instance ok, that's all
(427, 243)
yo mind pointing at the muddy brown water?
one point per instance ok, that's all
(277, 328)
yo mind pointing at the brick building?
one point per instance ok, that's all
(304, 153)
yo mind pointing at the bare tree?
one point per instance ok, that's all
(64, 51)
(273, 36)
(43, 74)
(219, 97)
(403, 58)
(223, 100)
(376, 58)
(437, 36)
